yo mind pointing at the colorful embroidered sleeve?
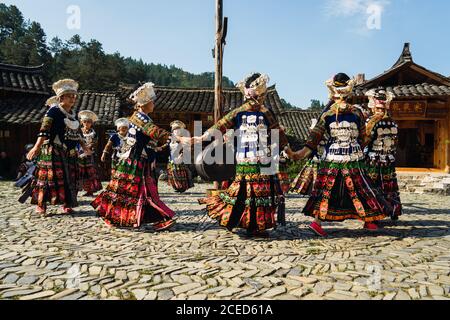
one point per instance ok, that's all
(151, 130)
(316, 134)
(274, 125)
(156, 133)
(47, 123)
(228, 121)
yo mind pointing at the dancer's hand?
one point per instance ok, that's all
(103, 158)
(185, 140)
(33, 153)
(302, 154)
(289, 153)
(197, 140)
(87, 151)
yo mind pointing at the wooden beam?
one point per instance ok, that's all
(430, 75)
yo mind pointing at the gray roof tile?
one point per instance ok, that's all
(200, 100)
(23, 79)
(417, 90)
(299, 122)
(31, 108)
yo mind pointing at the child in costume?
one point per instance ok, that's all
(117, 143)
(179, 175)
(88, 172)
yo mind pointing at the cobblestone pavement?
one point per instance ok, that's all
(78, 257)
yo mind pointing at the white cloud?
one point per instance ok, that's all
(343, 8)
(348, 8)
(361, 13)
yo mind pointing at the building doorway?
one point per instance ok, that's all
(416, 144)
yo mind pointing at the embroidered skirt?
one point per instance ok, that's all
(131, 197)
(88, 175)
(344, 191)
(283, 178)
(249, 203)
(304, 182)
(56, 176)
(385, 179)
(179, 177)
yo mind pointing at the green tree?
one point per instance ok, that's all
(36, 43)
(25, 43)
(316, 106)
(287, 105)
(12, 30)
(11, 22)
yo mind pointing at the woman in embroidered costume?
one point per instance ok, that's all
(56, 175)
(116, 144)
(179, 175)
(383, 131)
(342, 190)
(251, 200)
(88, 172)
(131, 197)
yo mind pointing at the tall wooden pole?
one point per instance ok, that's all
(218, 54)
(221, 34)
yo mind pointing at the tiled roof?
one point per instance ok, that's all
(105, 105)
(200, 100)
(417, 90)
(23, 109)
(31, 108)
(423, 83)
(22, 79)
(299, 122)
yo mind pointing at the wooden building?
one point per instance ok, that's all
(422, 109)
(21, 89)
(23, 93)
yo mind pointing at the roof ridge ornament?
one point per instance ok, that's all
(406, 55)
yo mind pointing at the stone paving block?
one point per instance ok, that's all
(185, 288)
(199, 260)
(38, 296)
(19, 292)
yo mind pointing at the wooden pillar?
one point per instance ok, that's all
(221, 33)
(447, 141)
(218, 54)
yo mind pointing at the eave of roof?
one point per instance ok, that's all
(406, 61)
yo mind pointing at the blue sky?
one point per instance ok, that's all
(299, 43)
